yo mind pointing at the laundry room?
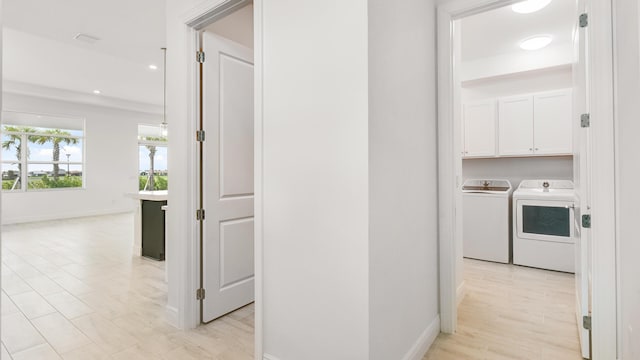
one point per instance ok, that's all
(516, 106)
(516, 97)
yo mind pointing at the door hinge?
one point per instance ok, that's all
(585, 120)
(200, 294)
(586, 322)
(200, 135)
(586, 221)
(200, 214)
(584, 20)
(200, 57)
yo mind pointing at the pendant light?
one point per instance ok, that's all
(164, 127)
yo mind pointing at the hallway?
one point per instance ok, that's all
(512, 312)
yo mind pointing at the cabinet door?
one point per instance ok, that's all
(480, 129)
(552, 123)
(515, 125)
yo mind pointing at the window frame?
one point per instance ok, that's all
(24, 162)
(142, 141)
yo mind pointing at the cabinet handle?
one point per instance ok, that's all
(530, 149)
(537, 149)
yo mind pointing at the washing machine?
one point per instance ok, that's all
(486, 219)
(544, 225)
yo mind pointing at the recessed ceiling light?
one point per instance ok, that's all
(535, 42)
(529, 6)
(153, 67)
(97, 92)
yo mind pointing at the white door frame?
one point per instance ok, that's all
(207, 12)
(603, 150)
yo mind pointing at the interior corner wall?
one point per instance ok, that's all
(315, 180)
(403, 265)
(627, 89)
(111, 163)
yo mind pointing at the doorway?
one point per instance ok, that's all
(226, 165)
(452, 141)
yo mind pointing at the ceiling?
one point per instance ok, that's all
(39, 46)
(500, 31)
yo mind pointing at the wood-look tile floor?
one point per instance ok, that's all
(71, 289)
(511, 312)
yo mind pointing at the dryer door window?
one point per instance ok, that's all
(546, 220)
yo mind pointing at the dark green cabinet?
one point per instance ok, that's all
(153, 225)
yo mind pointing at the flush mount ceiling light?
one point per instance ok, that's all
(529, 6)
(535, 42)
(153, 67)
(97, 92)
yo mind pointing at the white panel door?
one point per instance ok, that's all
(480, 129)
(228, 252)
(552, 123)
(582, 180)
(515, 125)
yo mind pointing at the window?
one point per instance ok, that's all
(152, 158)
(47, 151)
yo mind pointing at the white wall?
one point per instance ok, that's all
(627, 87)
(111, 163)
(403, 240)
(549, 57)
(532, 81)
(517, 169)
(237, 26)
(315, 190)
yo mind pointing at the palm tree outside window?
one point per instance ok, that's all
(31, 152)
(152, 158)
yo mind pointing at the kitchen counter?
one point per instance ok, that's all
(158, 195)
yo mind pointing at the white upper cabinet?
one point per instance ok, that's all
(515, 125)
(535, 124)
(479, 129)
(552, 123)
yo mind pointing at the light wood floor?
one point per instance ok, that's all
(72, 290)
(511, 312)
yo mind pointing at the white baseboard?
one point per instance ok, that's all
(417, 351)
(461, 292)
(172, 316)
(59, 216)
(425, 340)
